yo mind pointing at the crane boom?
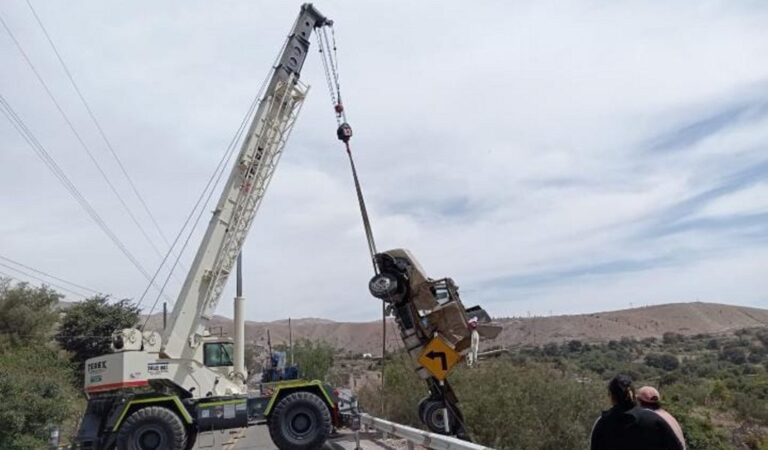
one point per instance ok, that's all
(159, 391)
(243, 192)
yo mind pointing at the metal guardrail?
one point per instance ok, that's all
(420, 437)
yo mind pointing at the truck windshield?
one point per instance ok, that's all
(218, 354)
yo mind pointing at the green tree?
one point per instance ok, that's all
(87, 326)
(27, 314)
(36, 392)
(313, 358)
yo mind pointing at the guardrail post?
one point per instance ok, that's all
(53, 440)
(357, 439)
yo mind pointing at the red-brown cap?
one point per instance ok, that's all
(648, 394)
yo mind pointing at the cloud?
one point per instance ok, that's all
(546, 156)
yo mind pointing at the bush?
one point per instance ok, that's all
(735, 355)
(36, 392)
(27, 314)
(663, 361)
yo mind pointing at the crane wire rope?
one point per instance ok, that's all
(217, 174)
(344, 134)
(53, 166)
(98, 126)
(79, 138)
(79, 286)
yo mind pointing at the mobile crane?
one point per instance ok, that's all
(158, 391)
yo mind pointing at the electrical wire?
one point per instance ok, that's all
(217, 175)
(45, 282)
(53, 166)
(98, 126)
(79, 286)
(80, 139)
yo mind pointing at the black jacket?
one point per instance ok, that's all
(633, 429)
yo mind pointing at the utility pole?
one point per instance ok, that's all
(290, 340)
(383, 354)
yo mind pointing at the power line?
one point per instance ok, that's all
(79, 137)
(50, 162)
(98, 124)
(45, 282)
(79, 286)
(212, 183)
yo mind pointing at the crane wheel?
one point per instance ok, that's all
(432, 413)
(383, 286)
(300, 421)
(152, 428)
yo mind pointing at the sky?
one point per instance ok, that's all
(550, 157)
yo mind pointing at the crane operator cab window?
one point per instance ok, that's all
(218, 354)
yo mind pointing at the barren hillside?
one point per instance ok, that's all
(652, 321)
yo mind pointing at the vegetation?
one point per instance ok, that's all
(544, 397)
(314, 359)
(87, 327)
(41, 354)
(548, 397)
(35, 377)
(27, 314)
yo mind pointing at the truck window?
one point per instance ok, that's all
(218, 354)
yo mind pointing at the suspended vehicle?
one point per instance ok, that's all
(436, 328)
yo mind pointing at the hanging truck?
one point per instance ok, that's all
(158, 391)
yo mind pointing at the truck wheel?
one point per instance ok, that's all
(433, 416)
(152, 428)
(383, 286)
(300, 421)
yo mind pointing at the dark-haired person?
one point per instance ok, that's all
(649, 398)
(627, 426)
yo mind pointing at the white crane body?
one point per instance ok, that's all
(185, 376)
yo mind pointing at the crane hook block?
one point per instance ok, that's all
(344, 133)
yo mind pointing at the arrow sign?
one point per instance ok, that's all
(443, 359)
(438, 357)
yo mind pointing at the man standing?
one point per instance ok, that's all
(628, 426)
(649, 398)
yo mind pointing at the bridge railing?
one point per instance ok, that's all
(419, 437)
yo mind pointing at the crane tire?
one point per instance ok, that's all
(300, 421)
(152, 428)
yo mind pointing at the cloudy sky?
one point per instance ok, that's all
(551, 157)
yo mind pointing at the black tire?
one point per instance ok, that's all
(383, 286)
(432, 415)
(422, 406)
(152, 428)
(300, 421)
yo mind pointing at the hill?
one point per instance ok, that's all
(651, 321)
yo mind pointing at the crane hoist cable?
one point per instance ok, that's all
(344, 134)
(344, 130)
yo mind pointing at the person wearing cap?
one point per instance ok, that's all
(627, 426)
(648, 397)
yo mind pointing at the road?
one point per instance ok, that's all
(257, 438)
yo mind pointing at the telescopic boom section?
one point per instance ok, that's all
(243, 192)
